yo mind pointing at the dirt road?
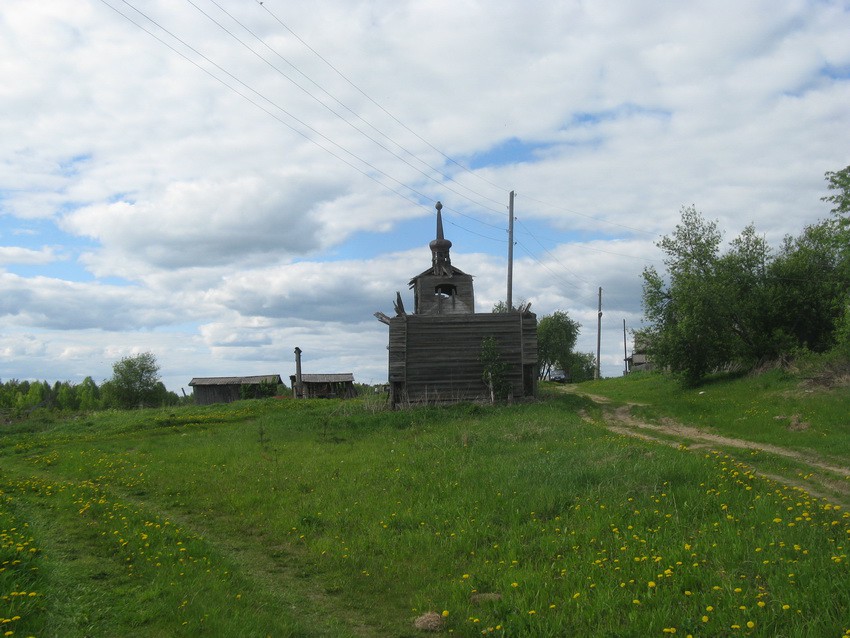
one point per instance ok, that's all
(819, 477)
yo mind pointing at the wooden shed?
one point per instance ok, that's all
(435, 353)
(209, 390)
(324, 386)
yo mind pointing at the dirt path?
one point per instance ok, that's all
(822, 478)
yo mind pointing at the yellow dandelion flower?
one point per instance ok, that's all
(445, 613)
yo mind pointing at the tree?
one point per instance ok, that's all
(556, 338)
(581, 366)
(66, 397)
(495, 370)
(810, 280)
(686, 331)
(88, 394)
(134, 381)
(502, 306)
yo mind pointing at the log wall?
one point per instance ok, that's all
(436, 358)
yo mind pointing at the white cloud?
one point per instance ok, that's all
(27, 256)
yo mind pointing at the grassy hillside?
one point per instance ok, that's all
(326, 518)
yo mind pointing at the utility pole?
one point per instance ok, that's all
(598, 334)
(625, 351)
(510, 301)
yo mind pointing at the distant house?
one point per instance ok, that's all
(228, 389)
(640, 355)
(435, 352)
(323, 386)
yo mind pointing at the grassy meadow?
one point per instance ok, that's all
(329, 518)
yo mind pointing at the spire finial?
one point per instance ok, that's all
(440, 246)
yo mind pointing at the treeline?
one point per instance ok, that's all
(750, 304)
(18, 398)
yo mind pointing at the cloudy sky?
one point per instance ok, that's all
(220, 181)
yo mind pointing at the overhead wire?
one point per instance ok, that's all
(373, 101)
(277, 106)
(448, 158)
(371, 166)
(337, 114)
(273, 104)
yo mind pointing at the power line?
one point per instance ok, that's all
(327, 139)
(542, 265)
(331, 110)
(380, 106)
(270, 102)
(448, 158)
(290, 115)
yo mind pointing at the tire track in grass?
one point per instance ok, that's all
(824, 479)
(84, 566)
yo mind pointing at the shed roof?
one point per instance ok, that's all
(326, 378)
(267, 378)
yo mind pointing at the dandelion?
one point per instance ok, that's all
(750, 624)
(651, 584)
(445, 613)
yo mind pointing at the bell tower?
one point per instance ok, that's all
(442, 289)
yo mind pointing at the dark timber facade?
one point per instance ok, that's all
(210, 390)
(435, 353)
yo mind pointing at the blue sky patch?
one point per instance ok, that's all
(511, 151)
(835, 72)
(586, 119)
(71, 166)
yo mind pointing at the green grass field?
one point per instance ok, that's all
(326, 518)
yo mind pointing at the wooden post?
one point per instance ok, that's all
(298, 390)
(598, 334)
(625, 351)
